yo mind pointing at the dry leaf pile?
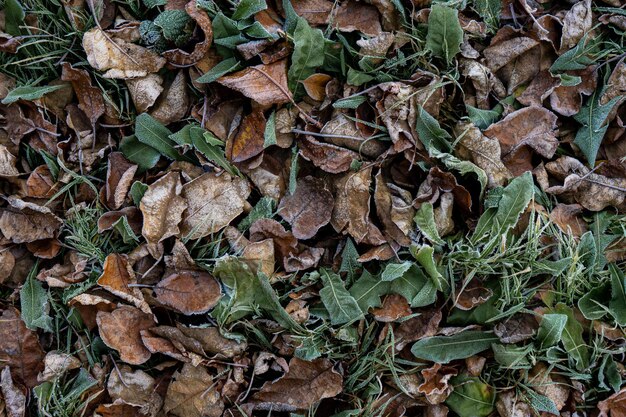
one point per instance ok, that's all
(313, 208)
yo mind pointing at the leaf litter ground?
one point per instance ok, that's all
(312, 208)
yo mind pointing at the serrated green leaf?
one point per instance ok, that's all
(35, 304)
(126, 232)
(425, 221)
(143, 155)
(592, 116)
(445, 34)
(29, 93)
(551, 329)
(172, 23)
(341, 306)
(367, 291)
(444, 349)
(394, 271)
(248, 8)
(308, 54)
(471, 397)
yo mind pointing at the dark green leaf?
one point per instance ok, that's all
(444, 349)
(342, 306)
(225, 67)
(29, 93)
(143, 155)
(445, 34)
(471, 397)
(308, 54)
(248, 8)
(551, 329)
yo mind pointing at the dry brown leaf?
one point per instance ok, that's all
(614, 406)
(118, 57)
(308, 209)
(549, 384)
(473, 295)
(353, 16)
(509, 405)
(19, 348)
(265, 84)
(116, 410)
(189, 292)
(192, 393)
(121, 330)
(40, 183)
(134, 388)
(516, 329)
(25, 222)
(539, 89)
(249, 140)
(577, 22)
(438, 184)
(132, 214)
(502, 52)
(351, 213)
(329, 158)
(616, 84)
(415, 328)
(7, 163)
(395, 210)
(592, 191)
(316, 12)
(394, 307)
(162, 207)
(90, 99)
(436, 385)
(301, 388)
(376, 47)
(120, 174)
(117, 278)
(56, 364)
(343, 132)
(569, 218)
(567, 100)
(145, 91)
(315, 86)
(212, 201)
(14, 398)
(200, 340)
(530, 127)
(259, 254)
(173, 104)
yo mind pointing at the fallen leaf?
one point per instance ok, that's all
(212, 202)
(577, 22)
(301, 388)
(613, 406)
(308, 209)
(117, 278)
(532, 127)
(415, 328)
(484, 152)
(135, 388)
(393, 309)
(24, 222)
(90, 99)
(249, 140)
(120, 174)
(118, 57)
(326, 156)
(14, 398)
(592, 191)
(569, 218)
(567, 100)
(516, 329)
(436, 385)
(395, 210)
(145, 91)
(549, 384)
(162, 207)
(315, 86)
(189, 292)
(40, 183)
(19, 348)
(121, 330)
(173, 103)
(56, 364)
(351, 213)
(509, 405)
(265, 84)
(7, 163)
(192, 393)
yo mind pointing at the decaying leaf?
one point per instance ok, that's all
(265, 84)
(19, 348)
(303, 386)
(56, 364)
(24, 222)
(192, 393)
(136, 389)
(118, 57)
(120, 175)
(212, 202)
(189, 292)
(121, 330)
(118, 277)
(351, 213)
(308, 209)
(14, 398)
(162, 207)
